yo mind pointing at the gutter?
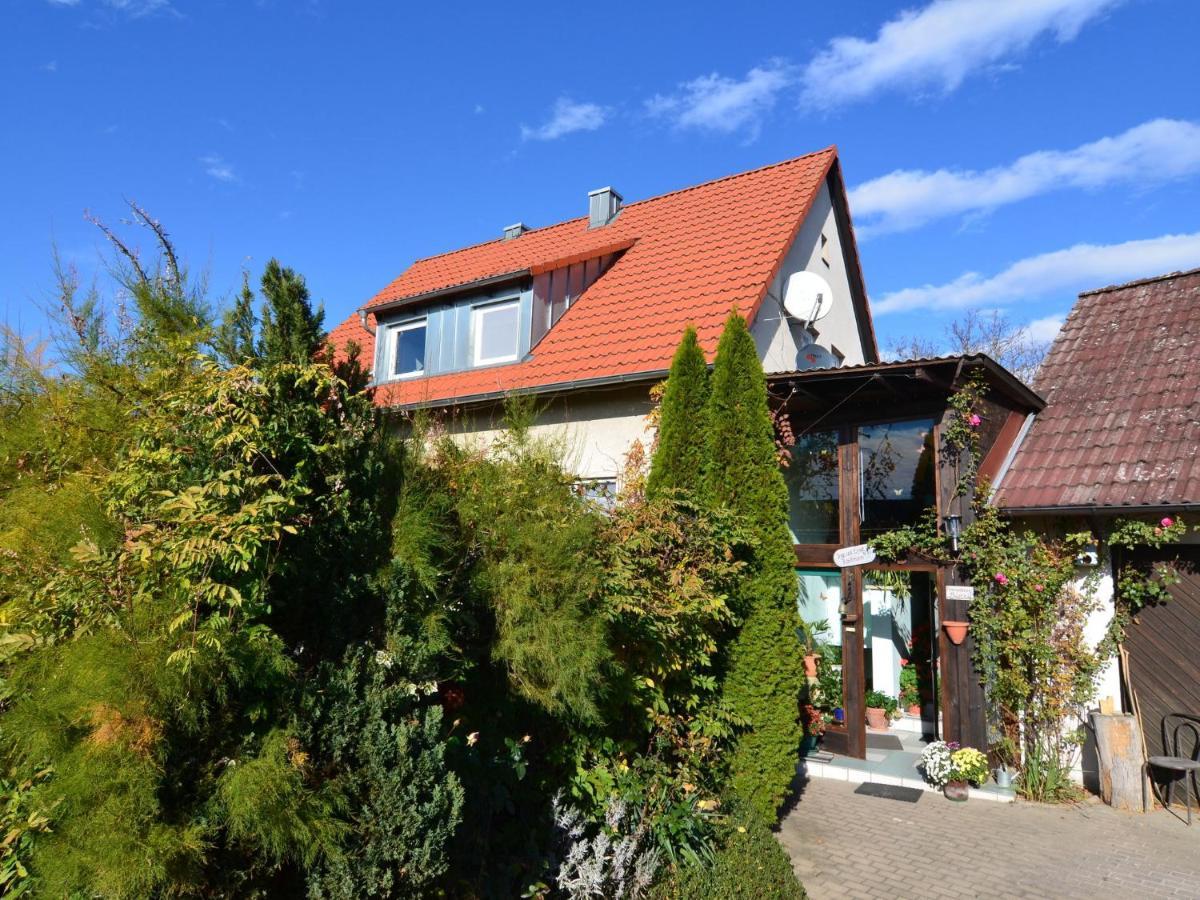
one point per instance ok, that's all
(558, 388)
(1095, 509)
(490, 280)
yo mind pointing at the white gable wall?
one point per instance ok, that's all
(780, 340)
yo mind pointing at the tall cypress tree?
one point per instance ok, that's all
(291, 330)
(679, 458)
(764, 672)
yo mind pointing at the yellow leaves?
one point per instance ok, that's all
(86, 552)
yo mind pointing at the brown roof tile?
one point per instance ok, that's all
(1122, 423)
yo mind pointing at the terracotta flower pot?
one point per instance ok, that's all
(914, 709)
(877, 717)
(810, 665)
(957, 791)
(956, 631)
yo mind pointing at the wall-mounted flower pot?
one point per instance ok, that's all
(810, 665)
(956, 631)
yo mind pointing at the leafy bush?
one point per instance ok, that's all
(749, 863)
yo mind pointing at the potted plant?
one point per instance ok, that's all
(910, 689)
(812, 650)
(953, 768)
(814, 724)
(880, 709)
(829, 676)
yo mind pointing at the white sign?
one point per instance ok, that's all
(858, 555)
(960, 592)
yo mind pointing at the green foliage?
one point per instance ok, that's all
(880, 700)
(1141, 585)
(765, 668)
(678, 462)
(20, 822)
(960, 435)
(749, 863)
(291, 331)
(405, 803)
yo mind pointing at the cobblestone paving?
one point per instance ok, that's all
(844, 844)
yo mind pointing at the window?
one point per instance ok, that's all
(408, 349)
(600, 492)
(896, 474)
(495, 329)
(812, 481)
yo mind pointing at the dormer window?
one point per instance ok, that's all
(495, 328)
(407, 353)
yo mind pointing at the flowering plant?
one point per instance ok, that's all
(945, 761)
(936, 762)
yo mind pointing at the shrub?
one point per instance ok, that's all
(765, 671)
(749, 863)
(679, 454)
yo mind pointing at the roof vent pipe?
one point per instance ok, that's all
(603, 205)
(514, 231)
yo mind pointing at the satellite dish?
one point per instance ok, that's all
(807, 297)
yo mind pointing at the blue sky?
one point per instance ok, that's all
(1000, 154)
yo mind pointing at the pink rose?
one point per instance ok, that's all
(974, 420)
(1038, 588)
(1001, 579)
(1167, 522)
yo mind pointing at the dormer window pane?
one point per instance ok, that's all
(408, 349)
(496, 332)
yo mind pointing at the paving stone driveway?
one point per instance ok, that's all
(844, 844)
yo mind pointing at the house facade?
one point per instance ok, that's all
(1120, 439)
(587, 313)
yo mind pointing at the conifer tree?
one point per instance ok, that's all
(234, 339)
(764, 671)
(679, 458)
(291, 330)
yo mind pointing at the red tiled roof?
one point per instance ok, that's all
(1122, 423)
(690, 256)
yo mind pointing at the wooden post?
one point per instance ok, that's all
(1119, 747)
(853, 670)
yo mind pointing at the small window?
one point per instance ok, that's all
(408, 349)
(599, 492)
(496, 332)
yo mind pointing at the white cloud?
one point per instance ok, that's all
(51, 66)
(1156, 151)
(135, 9)
(217, 168)
(567, 117)
(1045, 329)
(718, 103)
(939, 45)
(1077, 268)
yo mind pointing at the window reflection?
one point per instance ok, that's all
(812, 482)
(896, 474)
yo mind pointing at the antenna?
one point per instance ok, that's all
(807, 297)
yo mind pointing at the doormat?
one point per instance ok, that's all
(890, 792)
(883, 742)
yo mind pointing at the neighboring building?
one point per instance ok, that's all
(587, 313)
(1120, 437)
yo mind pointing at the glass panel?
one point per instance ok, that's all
(497, 332)
(812, 480)
(901, 645)
(897, 474)
(409, 356)
(819, 602)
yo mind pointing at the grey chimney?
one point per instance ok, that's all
(514, 231)
(603, 205)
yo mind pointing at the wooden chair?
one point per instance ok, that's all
(1179, 766)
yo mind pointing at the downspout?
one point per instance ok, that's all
(362, 320)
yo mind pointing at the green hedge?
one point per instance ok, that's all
(749, 863)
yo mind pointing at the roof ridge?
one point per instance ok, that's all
(1140, 281)
(832, 148)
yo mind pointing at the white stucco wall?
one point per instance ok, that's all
(780, 340)
(594, 430)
